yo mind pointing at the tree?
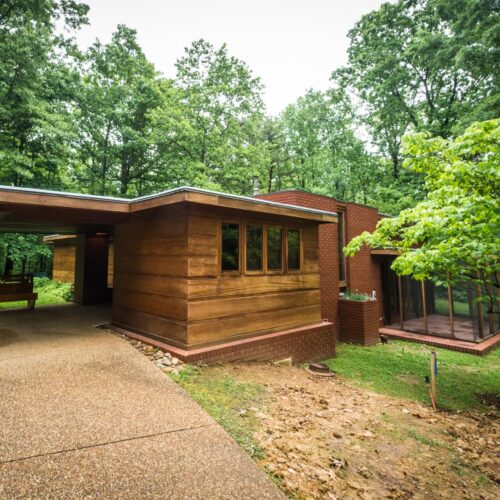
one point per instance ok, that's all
(321, 151)
(19, 252)
(454, 234)
(36, 88)
(119, 90)
(206, 124)
(420, 65)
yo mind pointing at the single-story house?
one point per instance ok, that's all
(213, 276)
(207, 275)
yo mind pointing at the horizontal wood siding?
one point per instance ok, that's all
(150, 274)
(64, 263)
(224, 307)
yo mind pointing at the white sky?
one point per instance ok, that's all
(293, 45)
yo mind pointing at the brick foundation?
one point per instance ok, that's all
(359, 321)
(309, 343)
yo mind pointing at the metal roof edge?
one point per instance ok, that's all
(161, 194)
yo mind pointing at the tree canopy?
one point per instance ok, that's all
(454, 233)
(105, 121)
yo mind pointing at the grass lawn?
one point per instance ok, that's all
(398, 369)
(227, 401)
(49, 292)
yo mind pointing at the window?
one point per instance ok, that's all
(341, 245)
(293, 239)
(274, 248)
(230, 247)
(254, 247)
(250, 248)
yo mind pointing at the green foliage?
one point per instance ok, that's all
(117, 92)
(320, 151)
(205, 126)
(36, 85)
(227, 401)
(106, 122)
(22, 249)
(398, 369)
(356, 296)
(454, 234)
(50, 292)
(424, 65)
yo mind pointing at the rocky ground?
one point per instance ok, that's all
(323, 438)
(163, 360)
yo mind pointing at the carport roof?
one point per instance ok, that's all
(57, 200)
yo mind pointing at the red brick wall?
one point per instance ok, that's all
(309, 343)
(359, 322)
(363, 270)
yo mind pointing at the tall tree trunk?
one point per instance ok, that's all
(395, 164)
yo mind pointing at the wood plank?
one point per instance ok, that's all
(200, 288)
(159, 305)
(203, 266)
(238, 306)
(257, 323)
(167, 286)
(167, 266)
(155, 326)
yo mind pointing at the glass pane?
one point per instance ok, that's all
(274, 248)
(293, 249)
(254, 248)
(230, 247)
(341, 245)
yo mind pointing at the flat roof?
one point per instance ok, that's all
(62, 199)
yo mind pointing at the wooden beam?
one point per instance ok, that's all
(424, 305)
(400, 292)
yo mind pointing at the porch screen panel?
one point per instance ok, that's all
(466, 324)
(438, 310)
(413, 308)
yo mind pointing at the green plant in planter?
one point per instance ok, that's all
(357, 296)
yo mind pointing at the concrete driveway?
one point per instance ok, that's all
(83, 414)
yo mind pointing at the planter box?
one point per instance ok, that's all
(359, 322)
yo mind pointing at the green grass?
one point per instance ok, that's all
(49, 292)
(398, 369)
(459, 308)
(227, 401)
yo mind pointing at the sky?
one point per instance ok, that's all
(292, 45)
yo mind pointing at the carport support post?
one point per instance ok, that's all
(91, 269)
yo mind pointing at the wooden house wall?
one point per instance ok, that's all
(168, 284)
(64, 263)
(64, 258)
(226, 306)
(150, 274)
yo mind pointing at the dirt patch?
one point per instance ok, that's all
(489, 399)
(323, 438)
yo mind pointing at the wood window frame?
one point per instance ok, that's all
(283, 253)
(261, 271)
(301, 250)
(242, 224)
(239, 223)
(341, 211)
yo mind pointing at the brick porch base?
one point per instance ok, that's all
(309, 343)
(452, 344)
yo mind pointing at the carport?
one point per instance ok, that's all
(91, 218)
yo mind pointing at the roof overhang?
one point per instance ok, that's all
(104, 210)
